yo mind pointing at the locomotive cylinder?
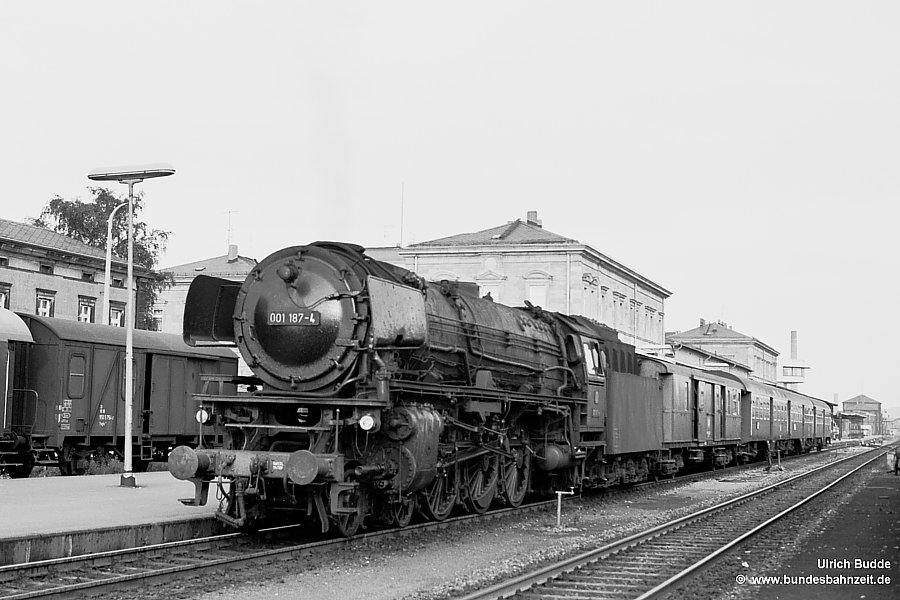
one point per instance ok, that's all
(552, 457)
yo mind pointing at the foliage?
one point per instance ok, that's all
(87, 221)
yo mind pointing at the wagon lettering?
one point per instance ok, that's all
(65, 415)
(104, 417)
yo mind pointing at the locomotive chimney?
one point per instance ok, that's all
(232, 252)
(532, 218)
(793, 345)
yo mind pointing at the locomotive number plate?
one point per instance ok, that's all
(308, 318)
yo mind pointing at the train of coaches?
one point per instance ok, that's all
(376, 395)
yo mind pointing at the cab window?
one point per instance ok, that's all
(594, 359)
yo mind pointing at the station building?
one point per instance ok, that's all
(521, 261)
(50, 274)
(870, 409)
(725, 344)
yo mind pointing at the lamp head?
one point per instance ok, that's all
(131, 173)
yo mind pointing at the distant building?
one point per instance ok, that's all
(521, 261)
(723, 342)
(169, 307)
(851, 425)
(698, 357)
(869, 407)
(49, 274)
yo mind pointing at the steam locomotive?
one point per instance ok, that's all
(377, 395)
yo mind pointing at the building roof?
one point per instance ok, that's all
(20, 233)
(520, 233)
(862, 399)
(717, 333)
(225, 266)
(513, 233)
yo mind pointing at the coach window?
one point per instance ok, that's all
(76, 376)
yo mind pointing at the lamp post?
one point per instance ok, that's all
(129, 176)
(109, 222)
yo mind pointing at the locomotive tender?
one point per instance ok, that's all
(377, 395)
(62, 397)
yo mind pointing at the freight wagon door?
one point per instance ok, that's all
(166, 398)
(103, 390)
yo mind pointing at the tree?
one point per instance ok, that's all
(86, 222)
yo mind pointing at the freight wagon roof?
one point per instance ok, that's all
(75, 331)
(13, 328)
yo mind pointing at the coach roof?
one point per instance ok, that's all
(13, 328)
(168, 343)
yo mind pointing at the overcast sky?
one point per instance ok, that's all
(744, 155)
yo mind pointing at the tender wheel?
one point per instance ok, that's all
(480, 477)
(516, 476)
(436, 502)
(402, 512)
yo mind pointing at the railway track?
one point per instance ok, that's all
(133, 567)
(651, 563)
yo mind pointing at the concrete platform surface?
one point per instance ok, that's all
(52, 505)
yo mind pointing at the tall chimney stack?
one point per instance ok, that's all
(793, 345)
(232, 252)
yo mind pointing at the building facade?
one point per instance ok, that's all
(721, 341)
(49, 274)
(521, 261)
(871, 408)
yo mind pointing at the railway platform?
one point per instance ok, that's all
(54, 517)
(858, 550)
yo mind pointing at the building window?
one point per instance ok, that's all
(45, 303)
(157, 319)
(46, 269)
(118, 282)
(117, 314)
(86, 309)
(4, 262)
(85, 276)
(5, 289)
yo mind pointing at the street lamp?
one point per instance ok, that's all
(107, 274)
(129, 176)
